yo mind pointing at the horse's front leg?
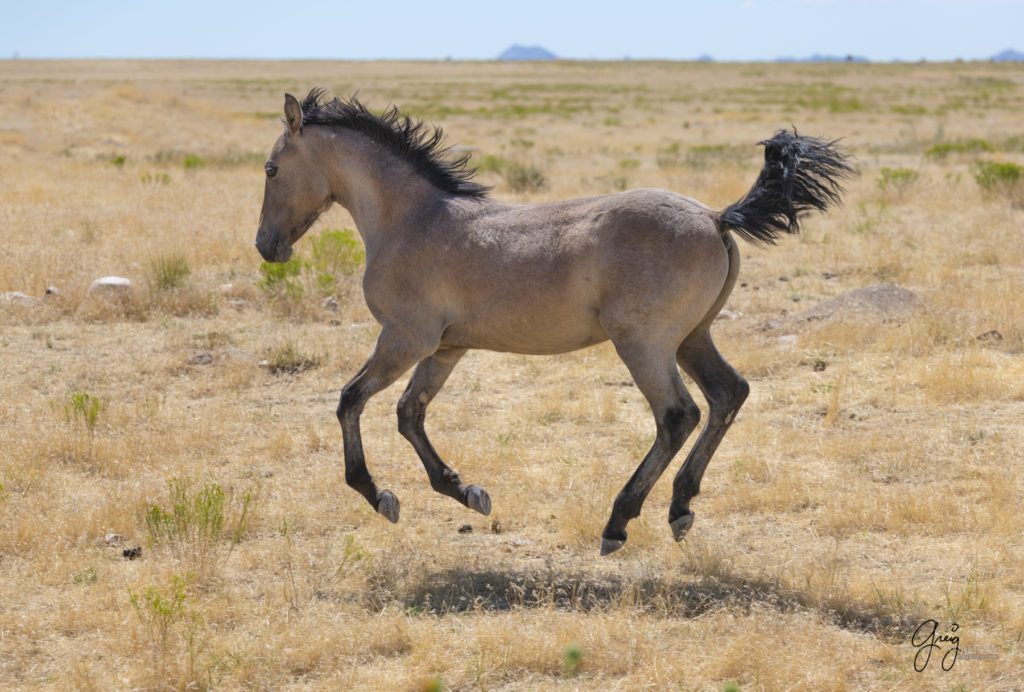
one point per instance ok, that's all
(393, 355)
(427, 379)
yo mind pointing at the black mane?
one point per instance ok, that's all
(415, 142)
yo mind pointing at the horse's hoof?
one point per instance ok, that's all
(610, 545)
(387, 505)
(478, 499)
(681, 525)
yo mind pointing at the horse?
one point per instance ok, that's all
(449, 268)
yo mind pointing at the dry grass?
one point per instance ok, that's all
(873, 480)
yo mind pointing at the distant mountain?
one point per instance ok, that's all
(826, 58)
(1009, 55)
(527, 53)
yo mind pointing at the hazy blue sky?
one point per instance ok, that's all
(478, 29)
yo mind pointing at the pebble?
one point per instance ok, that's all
(18, 298)
(112, 284)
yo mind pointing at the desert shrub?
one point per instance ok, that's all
(524, 177)
(167, 277)
(155, 179)
(283, 277)
(896, 180)
(84, 407)
(288, 360)
(161, 609)
(199, 518)
(1006, 179)
(167, 271)
(969, 146)
(174, 626)
(992, 176)
(520, 176)
(337, 251)
(491, 164)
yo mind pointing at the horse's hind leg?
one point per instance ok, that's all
(392, 356)
(725, 391)
(426, 381)
(675, 415)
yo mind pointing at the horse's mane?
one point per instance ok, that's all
(415, 142)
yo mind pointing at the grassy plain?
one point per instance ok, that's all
(873, 481)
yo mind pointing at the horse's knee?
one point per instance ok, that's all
(732, 403)
(742, 391)
(679, 421)
(410, 416)
(351, 402)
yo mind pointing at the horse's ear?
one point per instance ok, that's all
(292, 114)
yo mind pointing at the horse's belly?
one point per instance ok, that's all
(531, 332)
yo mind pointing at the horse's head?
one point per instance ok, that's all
(296, 192)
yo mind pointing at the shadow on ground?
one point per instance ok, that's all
(504, 587)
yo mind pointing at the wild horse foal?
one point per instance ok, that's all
(449, 269)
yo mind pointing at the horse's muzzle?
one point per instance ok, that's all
(276, 249)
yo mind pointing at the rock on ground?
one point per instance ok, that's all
(886, 301)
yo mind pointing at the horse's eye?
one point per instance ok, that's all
(271, 170)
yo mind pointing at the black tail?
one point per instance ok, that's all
(800, 174)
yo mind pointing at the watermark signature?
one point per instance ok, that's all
(927, 640)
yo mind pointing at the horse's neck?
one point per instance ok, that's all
(378, 190)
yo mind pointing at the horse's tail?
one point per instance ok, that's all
(800, 174)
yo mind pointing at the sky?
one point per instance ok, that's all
(728, 30)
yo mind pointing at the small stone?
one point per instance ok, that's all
(990, 335)
(466, 528)
(18, 298)
(204, 358)
(329, 304)
(113, 539)
(110, 284)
